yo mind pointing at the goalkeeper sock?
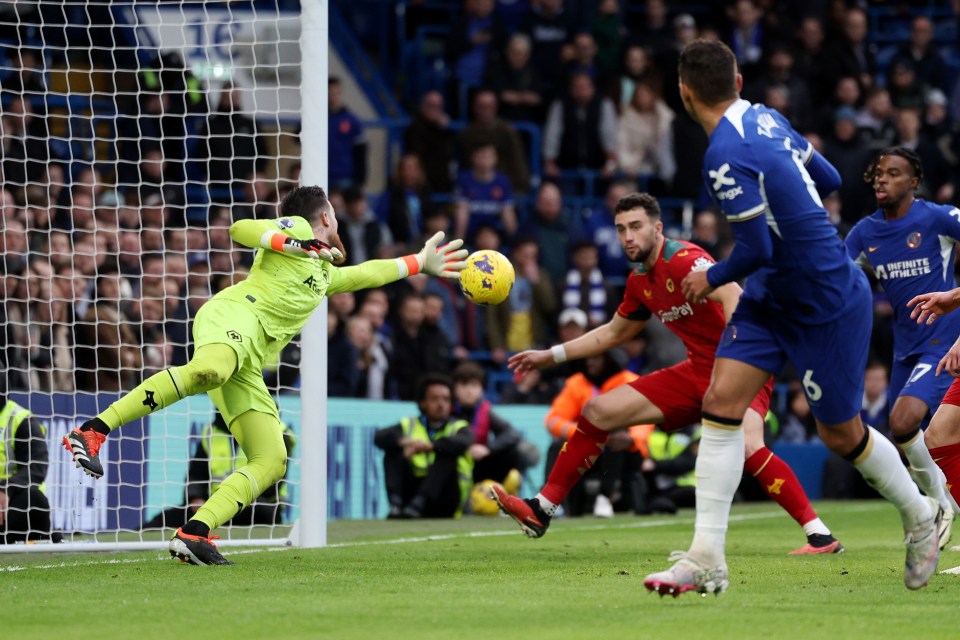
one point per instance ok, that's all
(196, 528)
(211, 367)
(262, 440)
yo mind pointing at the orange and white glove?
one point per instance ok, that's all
(445, 261)
(312, 248)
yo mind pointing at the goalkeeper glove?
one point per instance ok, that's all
(446, 261)
(312, 248)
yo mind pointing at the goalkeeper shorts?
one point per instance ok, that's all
(236, 325)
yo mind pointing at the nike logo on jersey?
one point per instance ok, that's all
(872, 249)
(720, 178)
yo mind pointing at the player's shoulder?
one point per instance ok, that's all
(937, 209)
(866, 224)
(680, 254)
(294, 226)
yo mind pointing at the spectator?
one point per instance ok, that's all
(48, 332)
(645, 138)
(496, 448)
(475, 36)
(851, 54)
(426, 467)
(798, 425)
(906, 92)
(585, 288)
(552, 229)
(603, 485)
(107, 350)
(519, 322)
(581, 131)
(484, 196)
(583, 59)
(231, 143)
(418, 348)
(347, 164)
(876, 408)
(747, 37)
(429, 138)
(439, 311)
(668, 61)
(24, 142)
(654, 32)
(706, 233)
(406, 203)
(24, 509)
(846, 152)
(936, 185)
(516, 82)
(669, 470)
(846, 94)
(810, 58)
(549, 26)
(779, 72)
(216, 456)
(364, 236)
(875, 120)
(637, 67)
(609, 34)
(920, 51)
(599, 227)
(372, 362)
(26, 76)
(487, 128)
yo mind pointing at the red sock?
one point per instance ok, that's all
(781, 484)
(576, 457)
(948, 459)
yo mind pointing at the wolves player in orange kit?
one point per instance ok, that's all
(672, 396)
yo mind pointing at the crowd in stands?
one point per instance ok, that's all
(105, 261)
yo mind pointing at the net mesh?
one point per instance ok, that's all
(133, 135)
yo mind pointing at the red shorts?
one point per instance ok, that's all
(678, 392)
(952, 396)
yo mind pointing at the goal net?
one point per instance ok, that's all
(133, 135)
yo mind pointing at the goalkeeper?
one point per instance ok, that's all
(239, 329)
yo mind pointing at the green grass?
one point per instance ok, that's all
(479, 578)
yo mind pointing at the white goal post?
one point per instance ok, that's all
(131, 136)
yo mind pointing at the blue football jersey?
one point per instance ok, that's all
(756, 170)
(912, 255)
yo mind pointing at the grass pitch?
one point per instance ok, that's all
(479, 578)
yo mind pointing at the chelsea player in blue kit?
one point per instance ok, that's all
(805, 301)
(909, 244)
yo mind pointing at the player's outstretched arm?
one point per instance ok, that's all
(444, 261)
(927, 307)
(605, 337)
(268, 234)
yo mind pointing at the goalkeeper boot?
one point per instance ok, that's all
(687, 575)
(923, 548)
(84, 446)
(531, 517)
(196, 549)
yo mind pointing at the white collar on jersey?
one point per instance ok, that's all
(734, 114)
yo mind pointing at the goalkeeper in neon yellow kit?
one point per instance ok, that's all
(239, 329)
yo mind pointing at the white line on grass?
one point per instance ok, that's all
(645, 524)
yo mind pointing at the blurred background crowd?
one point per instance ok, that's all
(121, 176)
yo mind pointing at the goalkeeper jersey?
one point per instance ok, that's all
(285, 289)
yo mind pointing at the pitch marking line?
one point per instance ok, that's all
(438, 537)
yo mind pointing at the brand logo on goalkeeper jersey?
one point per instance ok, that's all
(233, 335)
(312, 283)
(149, 401)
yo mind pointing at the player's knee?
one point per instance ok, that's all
(276, 468)
(207, 378)
(598, 412)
